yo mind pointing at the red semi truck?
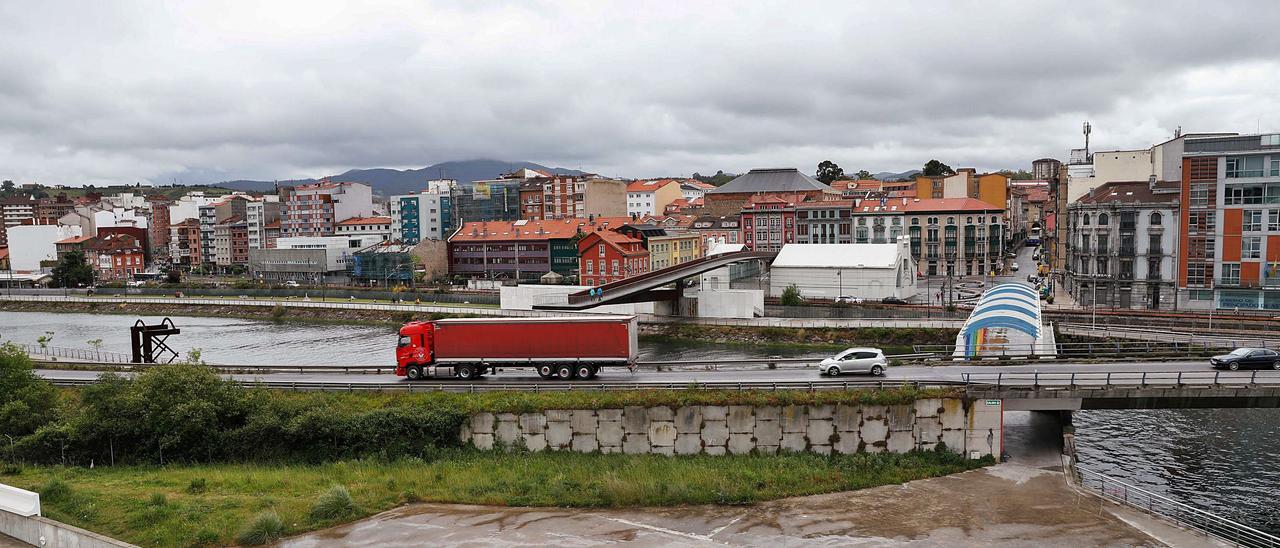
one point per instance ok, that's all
(563, 348)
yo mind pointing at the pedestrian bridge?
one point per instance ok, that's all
(1041, 391)
(647, 287)
(1006, 321)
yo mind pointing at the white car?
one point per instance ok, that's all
(1013, 267)
(291, 283)
(846, 299)
(855, 360)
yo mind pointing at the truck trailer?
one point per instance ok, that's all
(557, 348)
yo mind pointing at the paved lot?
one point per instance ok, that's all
(1005, 505)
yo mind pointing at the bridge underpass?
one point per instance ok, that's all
(652, 286)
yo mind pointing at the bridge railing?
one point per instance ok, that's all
(1187, 516)
(1121, 379)
(1094, 349)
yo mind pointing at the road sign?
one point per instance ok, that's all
(993, 403)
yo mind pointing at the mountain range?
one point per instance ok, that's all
(891, 176)
(388, 182)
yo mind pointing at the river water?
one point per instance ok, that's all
(1221, 460)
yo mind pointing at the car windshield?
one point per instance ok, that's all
(1241, 352)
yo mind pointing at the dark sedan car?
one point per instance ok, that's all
(1247, 358)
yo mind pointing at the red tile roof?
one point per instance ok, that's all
(74, 240)
(366, 221)
(273, 224)
(650, 185)
(498, 231)
(951, 204)
(4, 253)
(617, 239)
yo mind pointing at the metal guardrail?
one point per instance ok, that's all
(1091, 349)
(1122, 379)
(1187, 516)
(447, 386)
(76, 354)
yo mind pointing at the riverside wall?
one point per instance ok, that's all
(972, 427)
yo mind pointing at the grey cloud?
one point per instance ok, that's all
(118, 92)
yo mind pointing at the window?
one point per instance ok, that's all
(1271, 275)
(1103, 219)
(590, 266)
(1197, 274)
(1153, 269)
(1102, 244)
(1102, 266)
(1275, 168)
(951, 220)
(1252, 219)
(1126, 269)
(1271, 140)
(1273, 220)
(1251, 247)
(1086, 219)
(1244, 166)
(602, 251)
(915, 221)
(862, 221)
(1154, 246)
(1156, 218)
(1231, 273)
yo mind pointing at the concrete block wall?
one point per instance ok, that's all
(39, 531)
(972, 427)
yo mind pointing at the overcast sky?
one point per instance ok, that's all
(117, 92)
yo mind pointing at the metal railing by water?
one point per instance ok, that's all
(1101, 349)
(74, 354)
(556, 386)
(1181, 514)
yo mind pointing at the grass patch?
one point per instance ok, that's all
(332, 504)
(252, 503)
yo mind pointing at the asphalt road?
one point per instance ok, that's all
(1154, 370)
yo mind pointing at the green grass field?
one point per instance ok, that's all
(185, 505)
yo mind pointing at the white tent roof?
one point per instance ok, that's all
(725, 248)
(838, 256)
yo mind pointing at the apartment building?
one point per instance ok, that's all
(424, 216)
(231, 243)
(827, 222)
(1230, 222)
(606, 256)
(651, 197)
(13, 212)
(675, 248)
(1121, 244)
(315, 209)
(377, 226)
(949, 236)
(258, 215)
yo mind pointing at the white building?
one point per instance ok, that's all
(365, 226)
(258, 214)
(188, 207)
(31, 244)
(424, 216)
(651, 197)
(338, 249)
(827, 271)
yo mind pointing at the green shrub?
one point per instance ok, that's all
(197, 485)
(333, 504)
(791, 296)
(158, 500)
(55, 491)
(27, 402)
(278, 312)
(265, 527)
(205, 537)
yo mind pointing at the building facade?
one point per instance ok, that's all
(769, 222)
(117, 257)
(315, 209)
(606, 256)
(1121, 244)
(1230, 222)
(651, 197)
(375, 226)
(425, 216)
(828, 222)
(258, 215)
(516, 250)
(948, 236)
(675, 248)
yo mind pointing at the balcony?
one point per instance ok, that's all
(1155, 250)
(1127, 251)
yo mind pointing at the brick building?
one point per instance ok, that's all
(606, 256)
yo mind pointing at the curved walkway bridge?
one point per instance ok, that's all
(646, 287)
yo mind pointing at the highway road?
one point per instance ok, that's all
(948, 373)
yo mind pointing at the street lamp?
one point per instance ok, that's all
(840, 278)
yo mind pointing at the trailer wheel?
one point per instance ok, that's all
(413, 373)
(564, 372)
(546, 371)
(465, 372)
(584, 372)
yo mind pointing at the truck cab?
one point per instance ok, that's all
(414, 355)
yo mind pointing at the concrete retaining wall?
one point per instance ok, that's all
(38, 531)
(971, 427)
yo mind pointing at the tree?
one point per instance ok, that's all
(173, 276)
(864, 174)
(828, 171)
(791, 296)
(72, 271)
(6, 188)
(934, 168)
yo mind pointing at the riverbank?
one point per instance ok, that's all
(1005, 505)
(280, 313)
(215, 504)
